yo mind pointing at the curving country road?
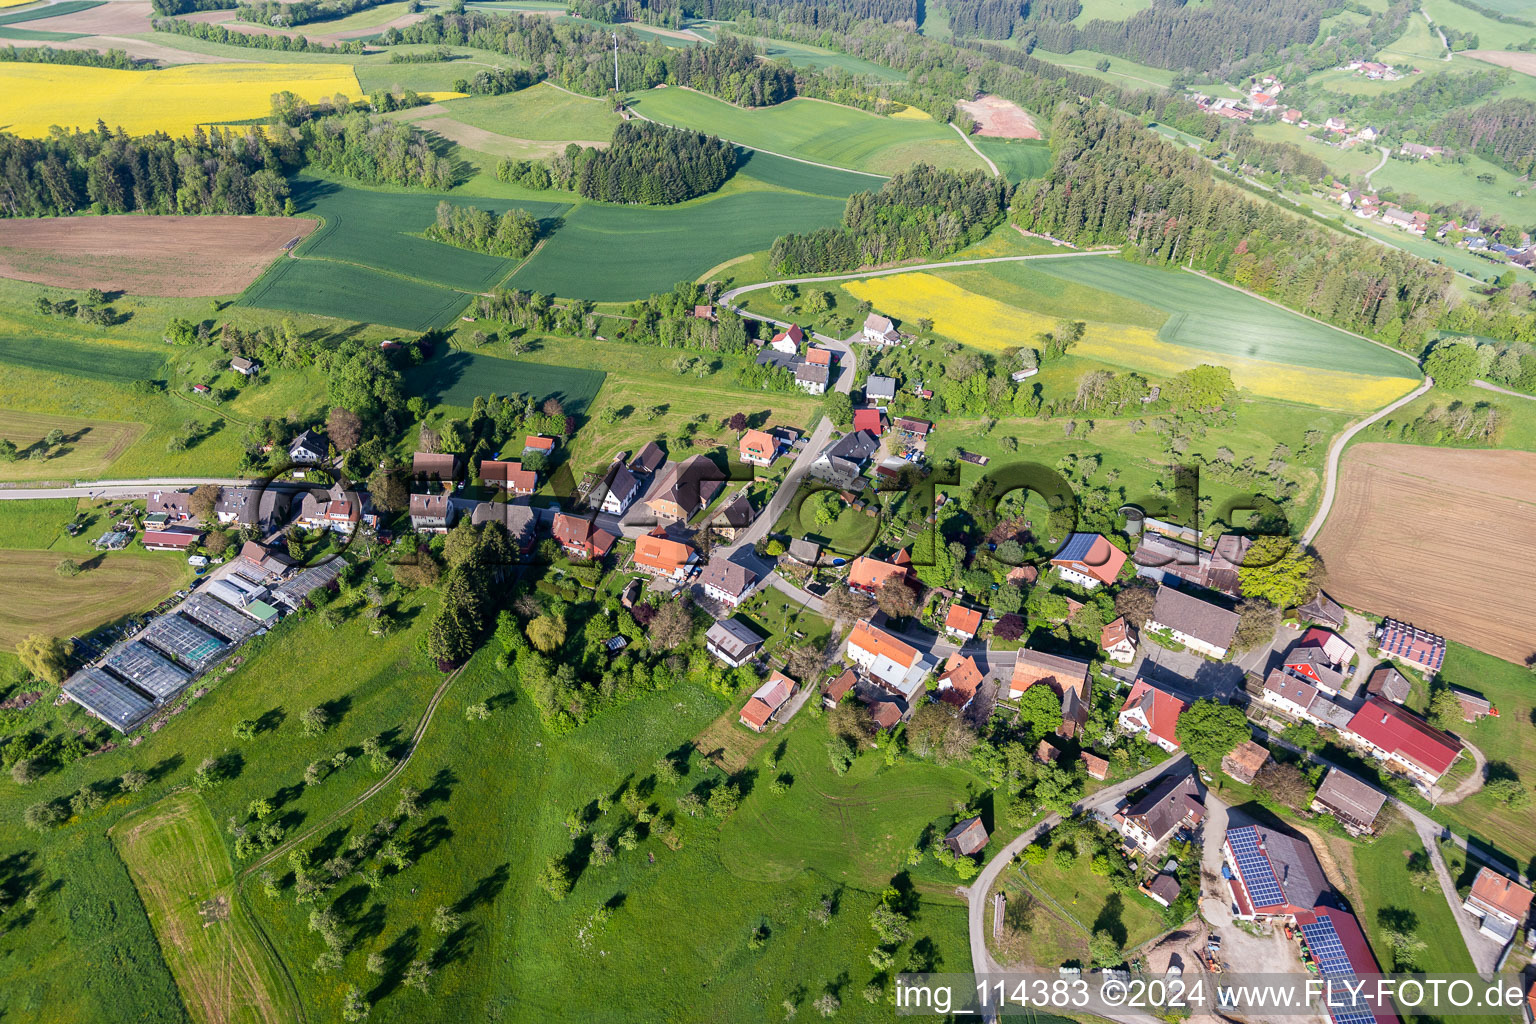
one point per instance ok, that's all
(988, 160)
(1330, 485)
(1385, 153)
(1503, 391)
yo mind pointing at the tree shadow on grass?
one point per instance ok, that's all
(441, 787)
(165, 767)
(1110, 919)
(485, 890)
(429, 836)
(397, 956)
(271, 719)
(457, 946)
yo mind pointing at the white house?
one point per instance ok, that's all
(897, 666)
(1153, 713)
(622, 488)
(788, 341)
(1501, 903)
(309, 448)
(878, 330)
(1198, 625)
(1119, 641)
(812, 378)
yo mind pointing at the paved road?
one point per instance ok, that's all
(847, 370)
(1503, 391)
(1385, 153)
(1337, 449)
(976, 895)
(113, 488)
(730, 296)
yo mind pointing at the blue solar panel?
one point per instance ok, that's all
(1259, 877)
(1077, 547)
(1333, 962)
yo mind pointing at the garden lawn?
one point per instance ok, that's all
(457, 378)
(540, 112)
(184, 877)
(620, 253)
(1088, 903)
(1508, 738)
(89, 954)
(815, 130)
(487, 827)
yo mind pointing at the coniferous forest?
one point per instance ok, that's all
(646, 163)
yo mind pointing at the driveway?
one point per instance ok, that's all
(1186, 673)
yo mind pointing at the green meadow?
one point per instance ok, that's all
(1018, 159)
(457, 378)
(540, 112)
(814, 130)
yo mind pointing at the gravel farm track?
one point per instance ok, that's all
(171, 256)
(1457, 523)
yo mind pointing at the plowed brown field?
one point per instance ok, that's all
(174, 256)
(1439, 537)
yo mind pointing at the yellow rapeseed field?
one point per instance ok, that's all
(975, 319)
(13, 3)
(172, 100)
(912, 114)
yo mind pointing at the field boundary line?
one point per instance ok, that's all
(985, 159)
(757, 149)
(913, 268)
(1308, 316)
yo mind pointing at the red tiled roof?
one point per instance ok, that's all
(1098, 767)
(1402, 733)
(963, 677)
(1102, 560)
(871, 572)
(879, 642)
(538, 442)
(966, 620)
(510, 475)
(818, 356)
(840, 686)
(868, 419)
(758, 444)
(1505, 894)
(659, 552)
(1163, 722)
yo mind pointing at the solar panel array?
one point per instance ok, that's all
(1333, 962)
(1258, 876)
(218, 617)
(182, 640)
(148, 669)
(107, 697)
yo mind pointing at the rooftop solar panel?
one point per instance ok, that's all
(187, 643)
(148, 670)
(1323, 941)
(1259, 877)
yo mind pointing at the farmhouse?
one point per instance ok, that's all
(581, 538)
(1271, 874)
(245, 367)
(962, 622)
(878, 330)
(1244, 761)
(1312, 664)
(838, 688)
(1388, 683)
(1335, 648)
(429, 468)
(261, 508)
(516, 517)
(1153, 713)
(733, 516)
(168, 506)
(871, 419)
(728, 582)
(687, 487)
(176, 539)
(1323, 610)
(619, 490)
(1119, 641)
(336, 509)
(508, 477)
(766, 701)
(1408, 744)
(1355, 803)
(879, 390)
(959, 681)
(895, 665)
(656, 554)
(812, 379)
(758, 447)
(1088, 559)
(967, 838)
(788, 341)
(1199, 625)
(1501, 903)
(1171, 804)
(1338, 946)
(1067, 679)
(650, 459)
(309, 449)
(733, 642)
(841, 462)
(432, 513)
(869, 574)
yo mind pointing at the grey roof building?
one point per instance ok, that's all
(108, 698)
(732, 641)
(880, 389)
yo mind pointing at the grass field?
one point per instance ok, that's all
(1436, 179)
(173, 100)
(812, 130)
(183, 874)
(39, 600)
(1491, 35)
(350, 292)
(496, 823)
(1268, 349)
(1109, 10)
(456, 378)
(432, 76)
(803, 56)
(618, 253)
(94, 360)
(1519, 415)
(1089, 904)
(1355, 160)
(43, 10)
(1018, 159)
(540, 112)
(90, 446)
